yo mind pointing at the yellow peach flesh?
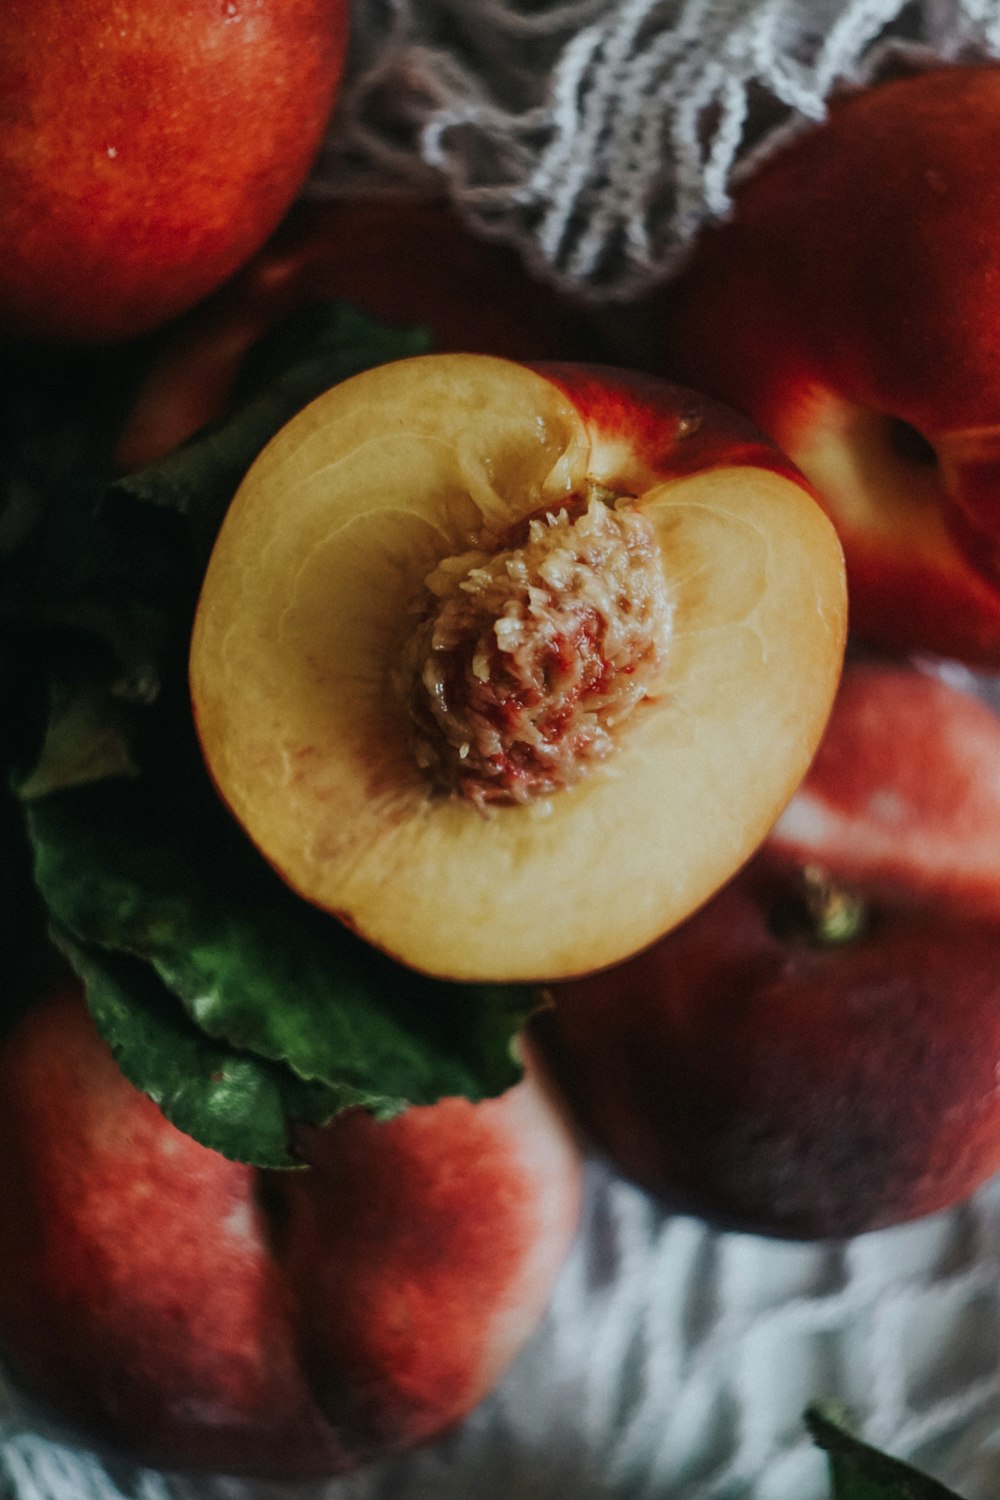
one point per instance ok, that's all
(306, 604)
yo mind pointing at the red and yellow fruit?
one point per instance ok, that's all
(851, 308)
(200, 1313)
(510, 668)
(147, 150)
(815, 1053)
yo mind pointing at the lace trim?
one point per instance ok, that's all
(598, 136)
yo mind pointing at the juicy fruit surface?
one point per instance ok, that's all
(103, 105)
(203, 1314)
(746, 1070)
(308, 602)
(903, 788)
(858, 329)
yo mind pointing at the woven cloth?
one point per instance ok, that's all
(674, 1362)
(598, 135)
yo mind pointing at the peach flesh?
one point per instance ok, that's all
(299, 624)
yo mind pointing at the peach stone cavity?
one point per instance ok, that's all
(528, 660)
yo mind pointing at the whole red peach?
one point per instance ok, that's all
(199, 1313)
(851, 306)
(816, 1052)
(148, 148)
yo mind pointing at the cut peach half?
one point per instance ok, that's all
(859, 327)
(509, 667)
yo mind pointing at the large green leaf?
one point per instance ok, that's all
(155, 867)
(138, 862)
(241, 1106)
(860, 1472)
(119, 559)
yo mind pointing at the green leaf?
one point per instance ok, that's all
(142, 869)
(155, 867)
(861, 1472)
(20, 923)
(241, 1106)
(61, 413)
(89, 736)
(108, 572)
(119, 560)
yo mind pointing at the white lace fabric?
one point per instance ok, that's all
(597, 136)
(674, 1364)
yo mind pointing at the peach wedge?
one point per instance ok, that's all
(511, 667)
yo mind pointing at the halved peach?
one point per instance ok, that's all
(850, 307)
(510, 668)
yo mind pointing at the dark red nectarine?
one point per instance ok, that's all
(510, 668)
(199, 1313)
(816, 1052)
(146, 150)
(851, 306)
